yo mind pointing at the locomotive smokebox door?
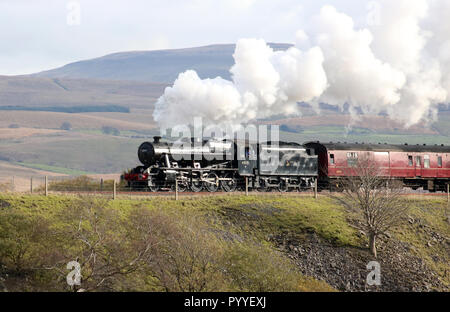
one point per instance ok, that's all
(247, 159)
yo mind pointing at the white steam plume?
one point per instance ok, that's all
(355, 75)
(402, 39)
(264, 83)
(400, 66)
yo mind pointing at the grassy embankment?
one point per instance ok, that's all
(218, 243)
(214, 254)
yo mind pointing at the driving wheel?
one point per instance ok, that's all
(212, 185)
(230, 184)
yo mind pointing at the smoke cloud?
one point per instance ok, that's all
(399, 65)
(264, 83)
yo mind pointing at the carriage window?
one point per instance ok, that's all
(418, 161)
(410, 161)
(352, 159)
(332, 161)
(440, 161)
(426, 161)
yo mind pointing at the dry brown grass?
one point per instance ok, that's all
(22, 177)
(6, 133)
(52, 120)
(140, 116)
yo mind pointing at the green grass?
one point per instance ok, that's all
(269, 215)
(334, 130)
(429, 216)
(258, 215)
(263, 216)
(55, 169)
(292, 216)
(260, 218)
(251, 265)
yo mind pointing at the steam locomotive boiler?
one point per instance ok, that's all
(223, 164)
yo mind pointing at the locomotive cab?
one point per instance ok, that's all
(247, 159)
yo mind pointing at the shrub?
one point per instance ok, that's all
(5, 187)
(22, 240)
(101, 243)
(185, 256)
(66, 126)
(83, 183)
(254, 267)
(110, 130)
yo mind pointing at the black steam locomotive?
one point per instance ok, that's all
(212, 165)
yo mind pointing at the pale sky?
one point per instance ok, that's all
(37, 35)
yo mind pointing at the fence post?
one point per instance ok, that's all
(447, 211)
(13, 186)
(246, 186)
(176, 189)
(114, 190)
(31, 185)
(315, 189)
(46, 186)
(448, 193)
(101, 185)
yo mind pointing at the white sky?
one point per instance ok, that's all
(35, 35)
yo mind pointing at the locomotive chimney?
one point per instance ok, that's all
(156, 139)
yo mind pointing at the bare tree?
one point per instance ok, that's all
(374, 199)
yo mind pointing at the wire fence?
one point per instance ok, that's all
(113, 188)
(84, 185)
(45, 185)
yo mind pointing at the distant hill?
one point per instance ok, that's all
(71, 95)
(161, 66)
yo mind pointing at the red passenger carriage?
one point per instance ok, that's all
(417, 166)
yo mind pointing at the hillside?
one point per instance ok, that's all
(35, 92)
(72, 152)
(233, 243)
(161, 66)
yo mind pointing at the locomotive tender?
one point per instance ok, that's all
(211, 165)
